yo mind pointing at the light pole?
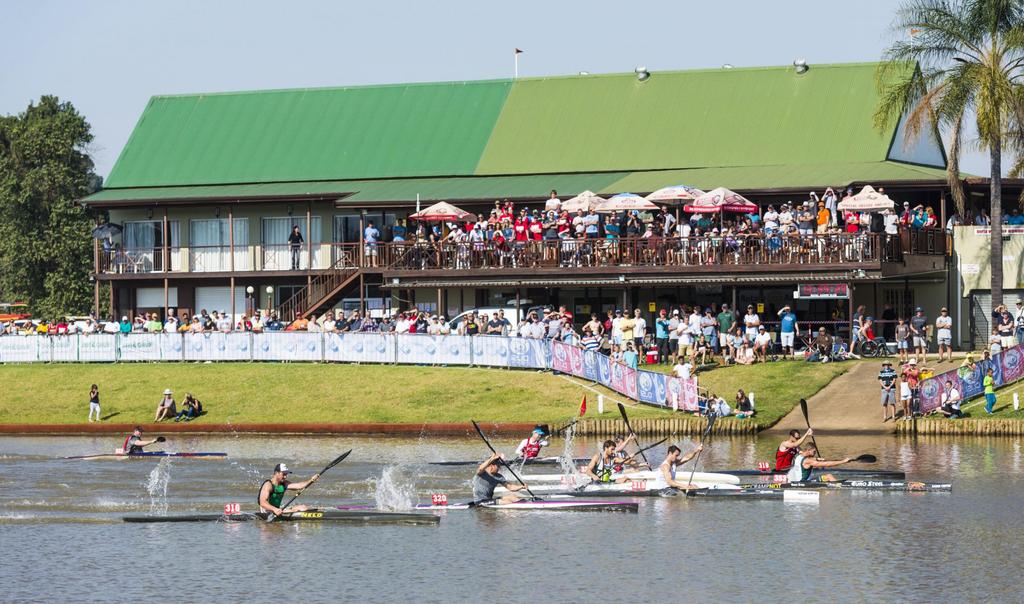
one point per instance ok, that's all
(249, 306)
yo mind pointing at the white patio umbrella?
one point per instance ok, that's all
(584, 201)
(625, 202)
(721, 200)
(675, 194)
(868, 200)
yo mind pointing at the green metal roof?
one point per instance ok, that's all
(719, 117)
(311, 134)
(747, 129)
(537, 186)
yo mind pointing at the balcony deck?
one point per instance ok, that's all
(652, 256)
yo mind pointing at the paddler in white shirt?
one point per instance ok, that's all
(807, 461)
(673, 460)
(530, 447)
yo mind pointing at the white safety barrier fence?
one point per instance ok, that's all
(414, 349)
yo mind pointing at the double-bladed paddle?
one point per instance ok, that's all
(625, 418)
(711, 422)
(337, 460)
(807, 418)
(503, 462)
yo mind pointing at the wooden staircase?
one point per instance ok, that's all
(322, 290)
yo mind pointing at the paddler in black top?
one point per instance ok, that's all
(487, 479)
(603, 466)
(134, 443)
(272, 491)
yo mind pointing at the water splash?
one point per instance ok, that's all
(394, 491)
(568, 457)
(156, 486)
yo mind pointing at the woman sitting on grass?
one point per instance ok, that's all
(191, 408)
(744, 409)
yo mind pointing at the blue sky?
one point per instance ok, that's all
(109, 57)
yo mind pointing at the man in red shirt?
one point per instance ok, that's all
(789, 449)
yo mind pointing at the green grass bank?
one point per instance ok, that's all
(242, 393)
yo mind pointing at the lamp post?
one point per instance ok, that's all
(270, 296)
(249, 306)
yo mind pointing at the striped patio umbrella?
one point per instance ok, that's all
(721, 200)
(584, 201)
(625, 202)
(441, 211)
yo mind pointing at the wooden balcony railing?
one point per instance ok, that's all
(841, 248)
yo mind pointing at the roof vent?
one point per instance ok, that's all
(801, 66)
(641, 73)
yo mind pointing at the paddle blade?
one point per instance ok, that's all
(337, 460)
(803, 408)
(161, 439)
(711, 424)
(866, 458)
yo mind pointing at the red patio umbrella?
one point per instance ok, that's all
(441, 211)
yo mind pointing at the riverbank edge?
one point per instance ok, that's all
(458, 429)
(961, 427)
(689, 425)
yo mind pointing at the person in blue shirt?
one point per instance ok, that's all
(787, 330)
(630, 357)
(125, 325)
(661, 336)
(370, 237)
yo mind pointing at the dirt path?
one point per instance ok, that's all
(850, 402)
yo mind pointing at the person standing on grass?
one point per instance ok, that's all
(887, 380)
(673, 336)
(944, 334)
(726, 320)
(919, 331)
(630, 356)
(661, 326)
(751, 322)
(639, 331)
(903, 340)
(788, 327)
(1019, 319)
(990, 391)
(94, 402)
(908, 384)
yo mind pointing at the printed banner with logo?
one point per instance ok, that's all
(567, 358)
(529, 353)
(97, 348)
(218, 346)
(359, 347)
(432, 350)
(652, 387)
(681, 393)
(1006, 368)
(22, 349)
(290, 346)
(491, 351)
(140, 347)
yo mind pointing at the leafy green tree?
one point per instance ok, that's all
(964, 58)
(45, 234)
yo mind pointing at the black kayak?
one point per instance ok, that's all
(534, 461)
(343, 516)
(745, 493)
(859, 472)
(859, 485)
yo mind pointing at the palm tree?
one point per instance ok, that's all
(965, 58)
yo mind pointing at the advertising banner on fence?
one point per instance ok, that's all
(140, 347)
(218, 346)
(530, 353)
(97, 348)
(491, 351)
(682, 393)
(652, 387)
(291, 346)
(567, 358)
(359, 347)
(62, 349)
(21, 349)
(432, 350)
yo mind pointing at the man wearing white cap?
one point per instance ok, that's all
(167, 407)
(272, 491)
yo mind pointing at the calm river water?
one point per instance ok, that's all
(63, 541)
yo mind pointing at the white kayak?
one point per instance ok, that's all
(634, 488)
(571, 480)
(560, 504)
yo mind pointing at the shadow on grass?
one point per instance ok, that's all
(110, 415)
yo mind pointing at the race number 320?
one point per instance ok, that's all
(439, 499)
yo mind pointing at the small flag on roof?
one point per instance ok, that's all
(518, 52)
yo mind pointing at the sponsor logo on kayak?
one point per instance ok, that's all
(308, 514)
